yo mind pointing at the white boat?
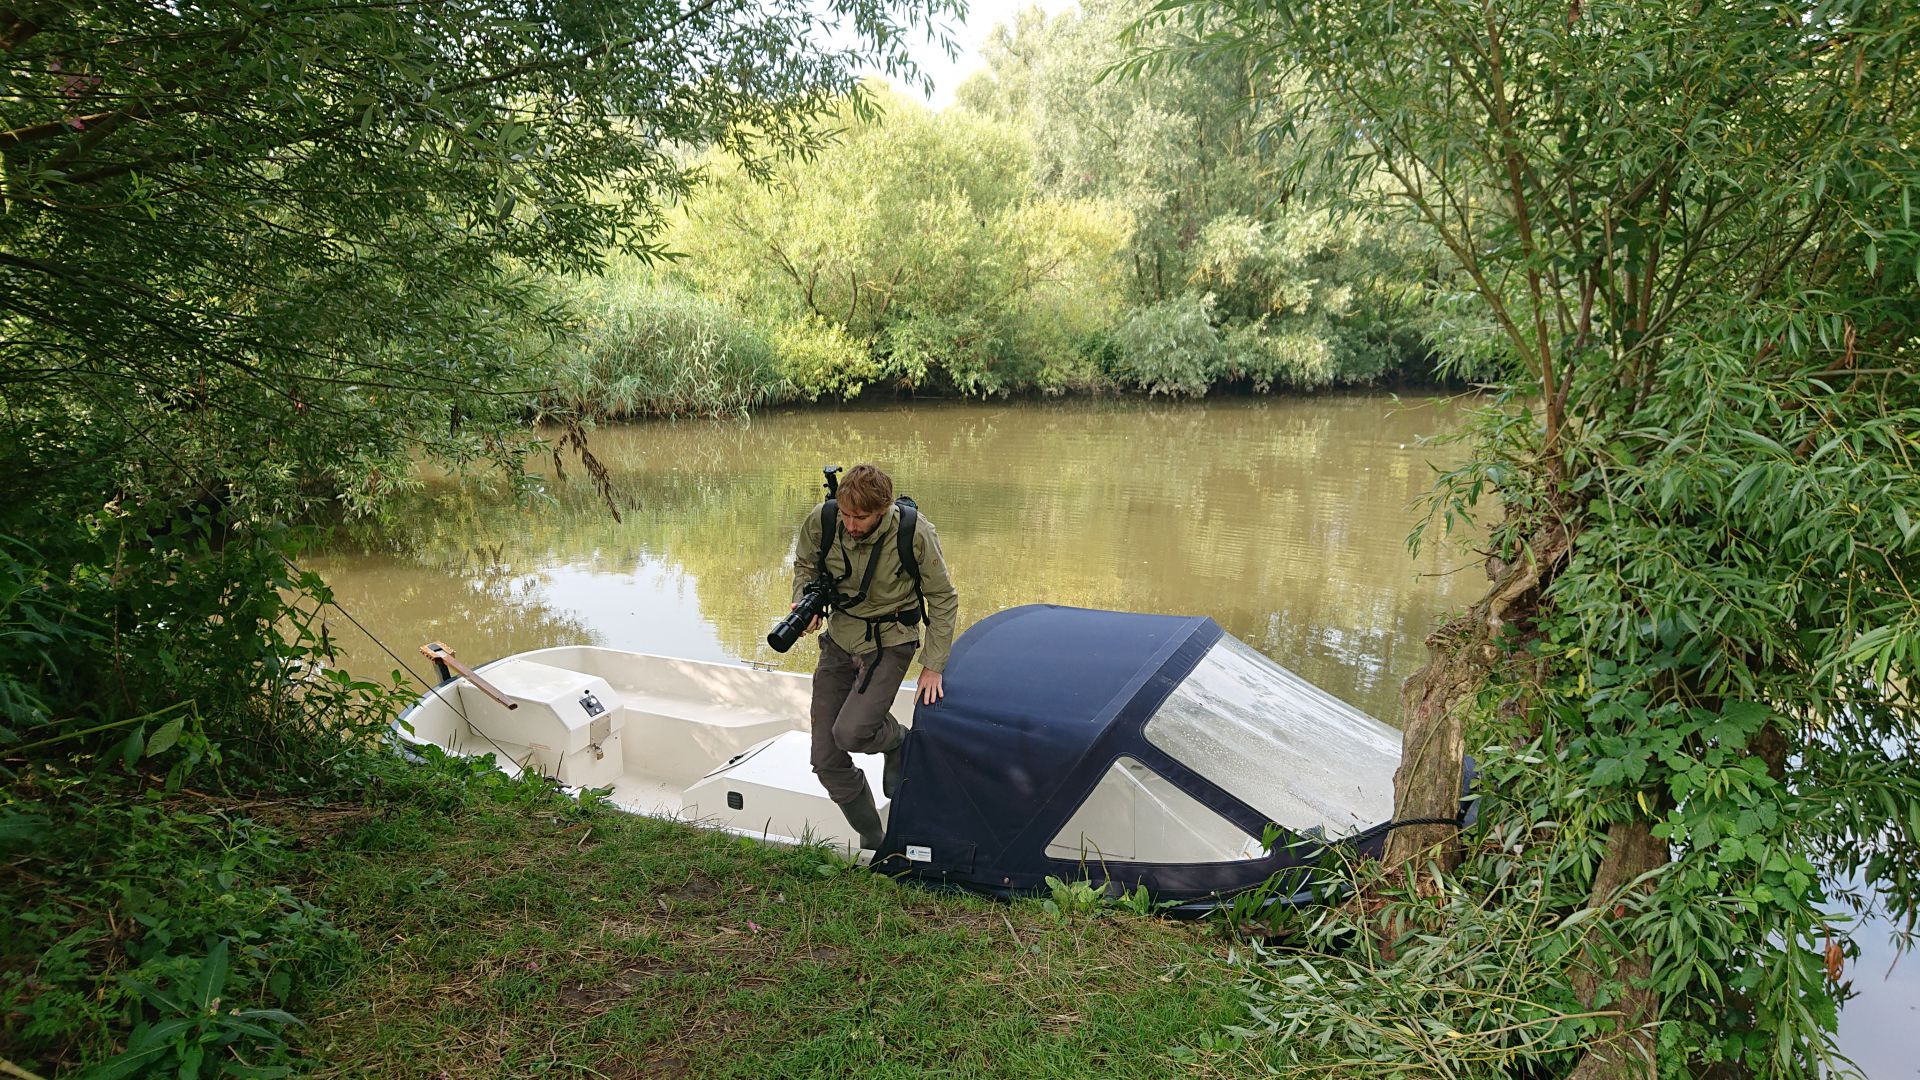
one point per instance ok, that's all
(721, 745)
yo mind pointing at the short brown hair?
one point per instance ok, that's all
(866, 489)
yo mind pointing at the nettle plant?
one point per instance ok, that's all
(198, 1030)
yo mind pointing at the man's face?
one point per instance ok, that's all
(859, 524)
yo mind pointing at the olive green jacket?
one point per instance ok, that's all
(892, 587)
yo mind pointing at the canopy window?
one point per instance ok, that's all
(1136, 815)
(1285, 747)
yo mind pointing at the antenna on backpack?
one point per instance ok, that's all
(832, 473)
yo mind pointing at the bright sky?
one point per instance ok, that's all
(982, 17)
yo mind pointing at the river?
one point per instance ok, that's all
(1284, 519)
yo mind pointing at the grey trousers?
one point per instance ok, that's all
(848, 722)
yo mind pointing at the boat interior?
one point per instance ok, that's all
(725, 745)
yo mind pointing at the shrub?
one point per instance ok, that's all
(1415, 981)
(970, 353)
(916, 347)
(146, 649)
(1175, 347)
(1170, 347)
(1302, 355)
(818, 357)
(199, 927)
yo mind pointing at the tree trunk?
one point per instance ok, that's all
(1427, 783)
(1460, 655)
(1627, 1053)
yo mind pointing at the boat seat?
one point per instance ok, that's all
(700, 712)
(771, 791)
(679, 740)
(563, 723)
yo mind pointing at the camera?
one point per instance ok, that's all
(813, 604)
(816, 597)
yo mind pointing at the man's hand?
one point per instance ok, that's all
(812, 625)
(930, 688)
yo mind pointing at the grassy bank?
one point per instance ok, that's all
(470, 927)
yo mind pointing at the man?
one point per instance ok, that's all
(877, 622)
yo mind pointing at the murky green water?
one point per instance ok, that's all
(1285, 520)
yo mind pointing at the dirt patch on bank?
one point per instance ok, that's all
(632, 976)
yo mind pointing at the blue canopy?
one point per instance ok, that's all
(1042, 702)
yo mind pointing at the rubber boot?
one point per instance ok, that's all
(896, 766)
(865, 820)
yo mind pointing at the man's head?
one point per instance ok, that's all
(865, 495)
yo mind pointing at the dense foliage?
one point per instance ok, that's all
(643, 347)
(1296, 297)
(1689, 231)
(267, 251)
(1055, 231)
(254, 258)
(917, 244)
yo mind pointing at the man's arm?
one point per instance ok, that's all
(806, 553)
(943, 600)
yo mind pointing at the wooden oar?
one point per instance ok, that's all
(442, 658)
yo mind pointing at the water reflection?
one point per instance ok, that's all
(1284, 520)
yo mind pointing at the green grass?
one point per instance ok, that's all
(441, 921)
(509, 940)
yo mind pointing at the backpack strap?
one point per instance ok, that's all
(909, 520)
(829, 525)
(829, 520)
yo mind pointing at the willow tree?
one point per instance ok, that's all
(284, 241)
(1687, 249)
(914, 252)
(1298, 299)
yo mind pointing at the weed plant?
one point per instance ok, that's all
(142, 917)
(648, 348)
(149, 658)
(1415, 978)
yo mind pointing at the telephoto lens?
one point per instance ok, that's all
(789, 630)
